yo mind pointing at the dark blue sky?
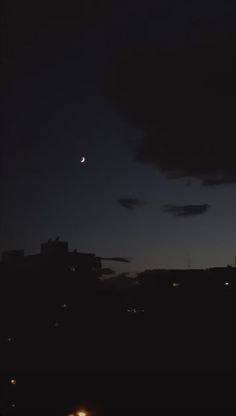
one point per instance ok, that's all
(59, 104)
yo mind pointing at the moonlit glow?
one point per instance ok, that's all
(82, 160)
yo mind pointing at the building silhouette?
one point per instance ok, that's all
(54, 261)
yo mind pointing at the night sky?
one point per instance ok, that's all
(146, 92)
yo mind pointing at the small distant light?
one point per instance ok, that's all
(134, 310)
(64, 305)
(56, 324)
(13, 381)
(9, 339)
(175, 284)
(13, 405)
(226, 283)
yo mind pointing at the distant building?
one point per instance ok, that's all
(54, 248)
(198, 280)
(54, 260)
(13, 256)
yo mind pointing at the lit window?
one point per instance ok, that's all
(133, 310)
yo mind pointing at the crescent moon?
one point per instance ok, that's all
(82, 160)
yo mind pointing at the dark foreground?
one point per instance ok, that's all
(70, 348)
(121, 393)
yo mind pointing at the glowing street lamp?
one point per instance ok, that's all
(13, 381)
(81, 413)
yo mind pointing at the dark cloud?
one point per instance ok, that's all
(186, 210)
(107, 271)
(119, 259)
(123, 275)
(130, 203)
(184, 100)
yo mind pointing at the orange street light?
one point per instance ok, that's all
(81, 413)
(13, 381)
